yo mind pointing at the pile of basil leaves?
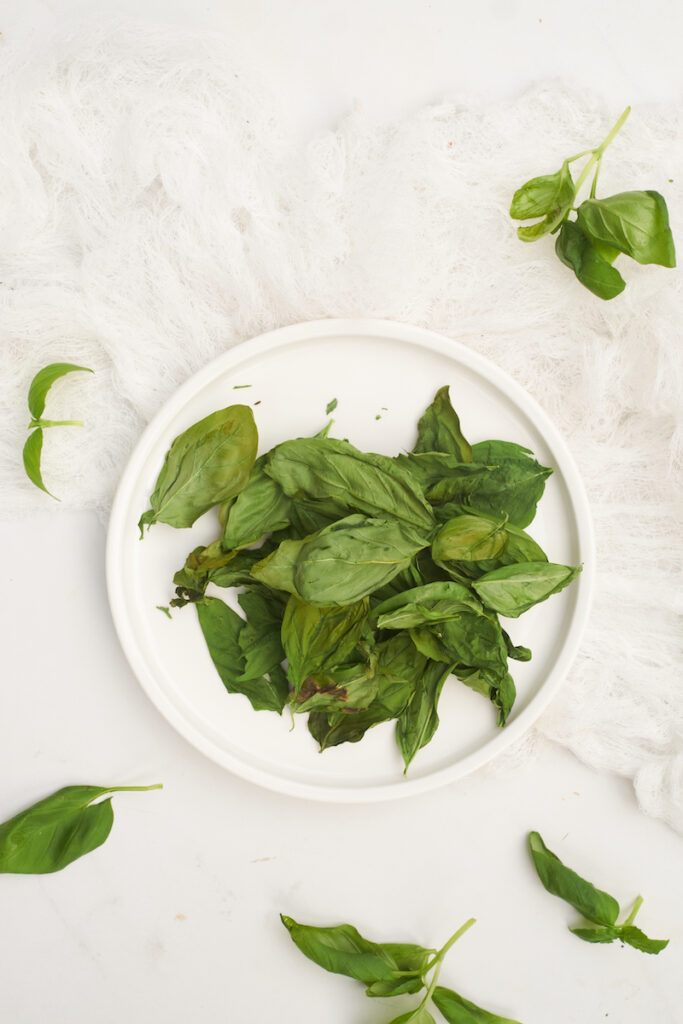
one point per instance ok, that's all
(366, 580)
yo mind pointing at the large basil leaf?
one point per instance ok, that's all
(57, 830)
(635, 223)
(469, 538)
(343, 562)
(342, 950)
(315, 639)
(458, 1010)
(550, 196)
(262, 507)
(418, 723)
(594, 904)
(43, 381)
(578, 253)
(207, 464)
(513, 589)
(438, 430)
(221, 627)
(514, 487)
(322, 468)
(433, 602)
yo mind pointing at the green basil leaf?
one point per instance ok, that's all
(52, 833)
(578, 253)
(602, 934)
(544, 196)
(420, 1015)
(595, 905)
(474, 638)
(635, 937)
(494, 682)
(221, 627)
(470, 538)
(517, 653)
(441, 476)
(43, 381)
(322, 469)
(342, 950)
(514, 487)
(418, 723)
(408, 957)
(635, 223)
(458, 1010)
(206, 465)
(259, 638)
(260, 508)
(433, 602)
(350, 688)
(32, 452)
(331, 406)
(315, 638)
(438, 429)
(514, 589)
(343, 562)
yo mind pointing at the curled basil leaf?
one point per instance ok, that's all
(594, 904)
(43, 381)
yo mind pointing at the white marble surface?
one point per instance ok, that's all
(175, 918)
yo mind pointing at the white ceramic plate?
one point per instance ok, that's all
(383, 375)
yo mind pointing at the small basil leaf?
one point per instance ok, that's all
(603, 934)
(262, 507)
(32, 452)
(544, 196)
(418, 723)
(408, 957)
(516, 653)
(496, 683)
(513, 589)
(578, 253)
(635, 223)
(418, 606)
(259, 638)
(52, 833)
(420, 1015)
(331, 406)
(438, 430)
(206, 465)
(594, 904)
(469, 538)
(639, 940)
(342, 950)
(458, 1010)
(43, 381)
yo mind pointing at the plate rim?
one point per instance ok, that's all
(387, 330)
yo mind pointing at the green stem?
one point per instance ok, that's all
(597, 153)
(632, 916)
(453, 939)
(594, 184)
(55, 423)
(134, 789)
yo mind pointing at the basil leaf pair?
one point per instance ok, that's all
(594, 904)
(37, 396)
(390, 969)
(56, 831)
(634, 223)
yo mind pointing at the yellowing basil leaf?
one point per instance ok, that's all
(206, 465)
(438, 430)
(513, 589)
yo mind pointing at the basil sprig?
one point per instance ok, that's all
(368, 580)
(595, 905)
(390, 969)
(37, 395)
(52, 833)
(635, 224)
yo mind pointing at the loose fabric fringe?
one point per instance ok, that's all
(154, 213)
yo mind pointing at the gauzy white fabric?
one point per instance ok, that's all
(155, 213)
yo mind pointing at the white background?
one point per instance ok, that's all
(175, 918)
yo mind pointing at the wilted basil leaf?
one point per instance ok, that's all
(458, 1010)
(494, 682)
(578, 252)
(342, 950)
(57, 830)
(514, 589)
(635, 223)
(438, 430)
(594, 904)
(315, 639)
(259, 638)
(433, 602)
(208, 463)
